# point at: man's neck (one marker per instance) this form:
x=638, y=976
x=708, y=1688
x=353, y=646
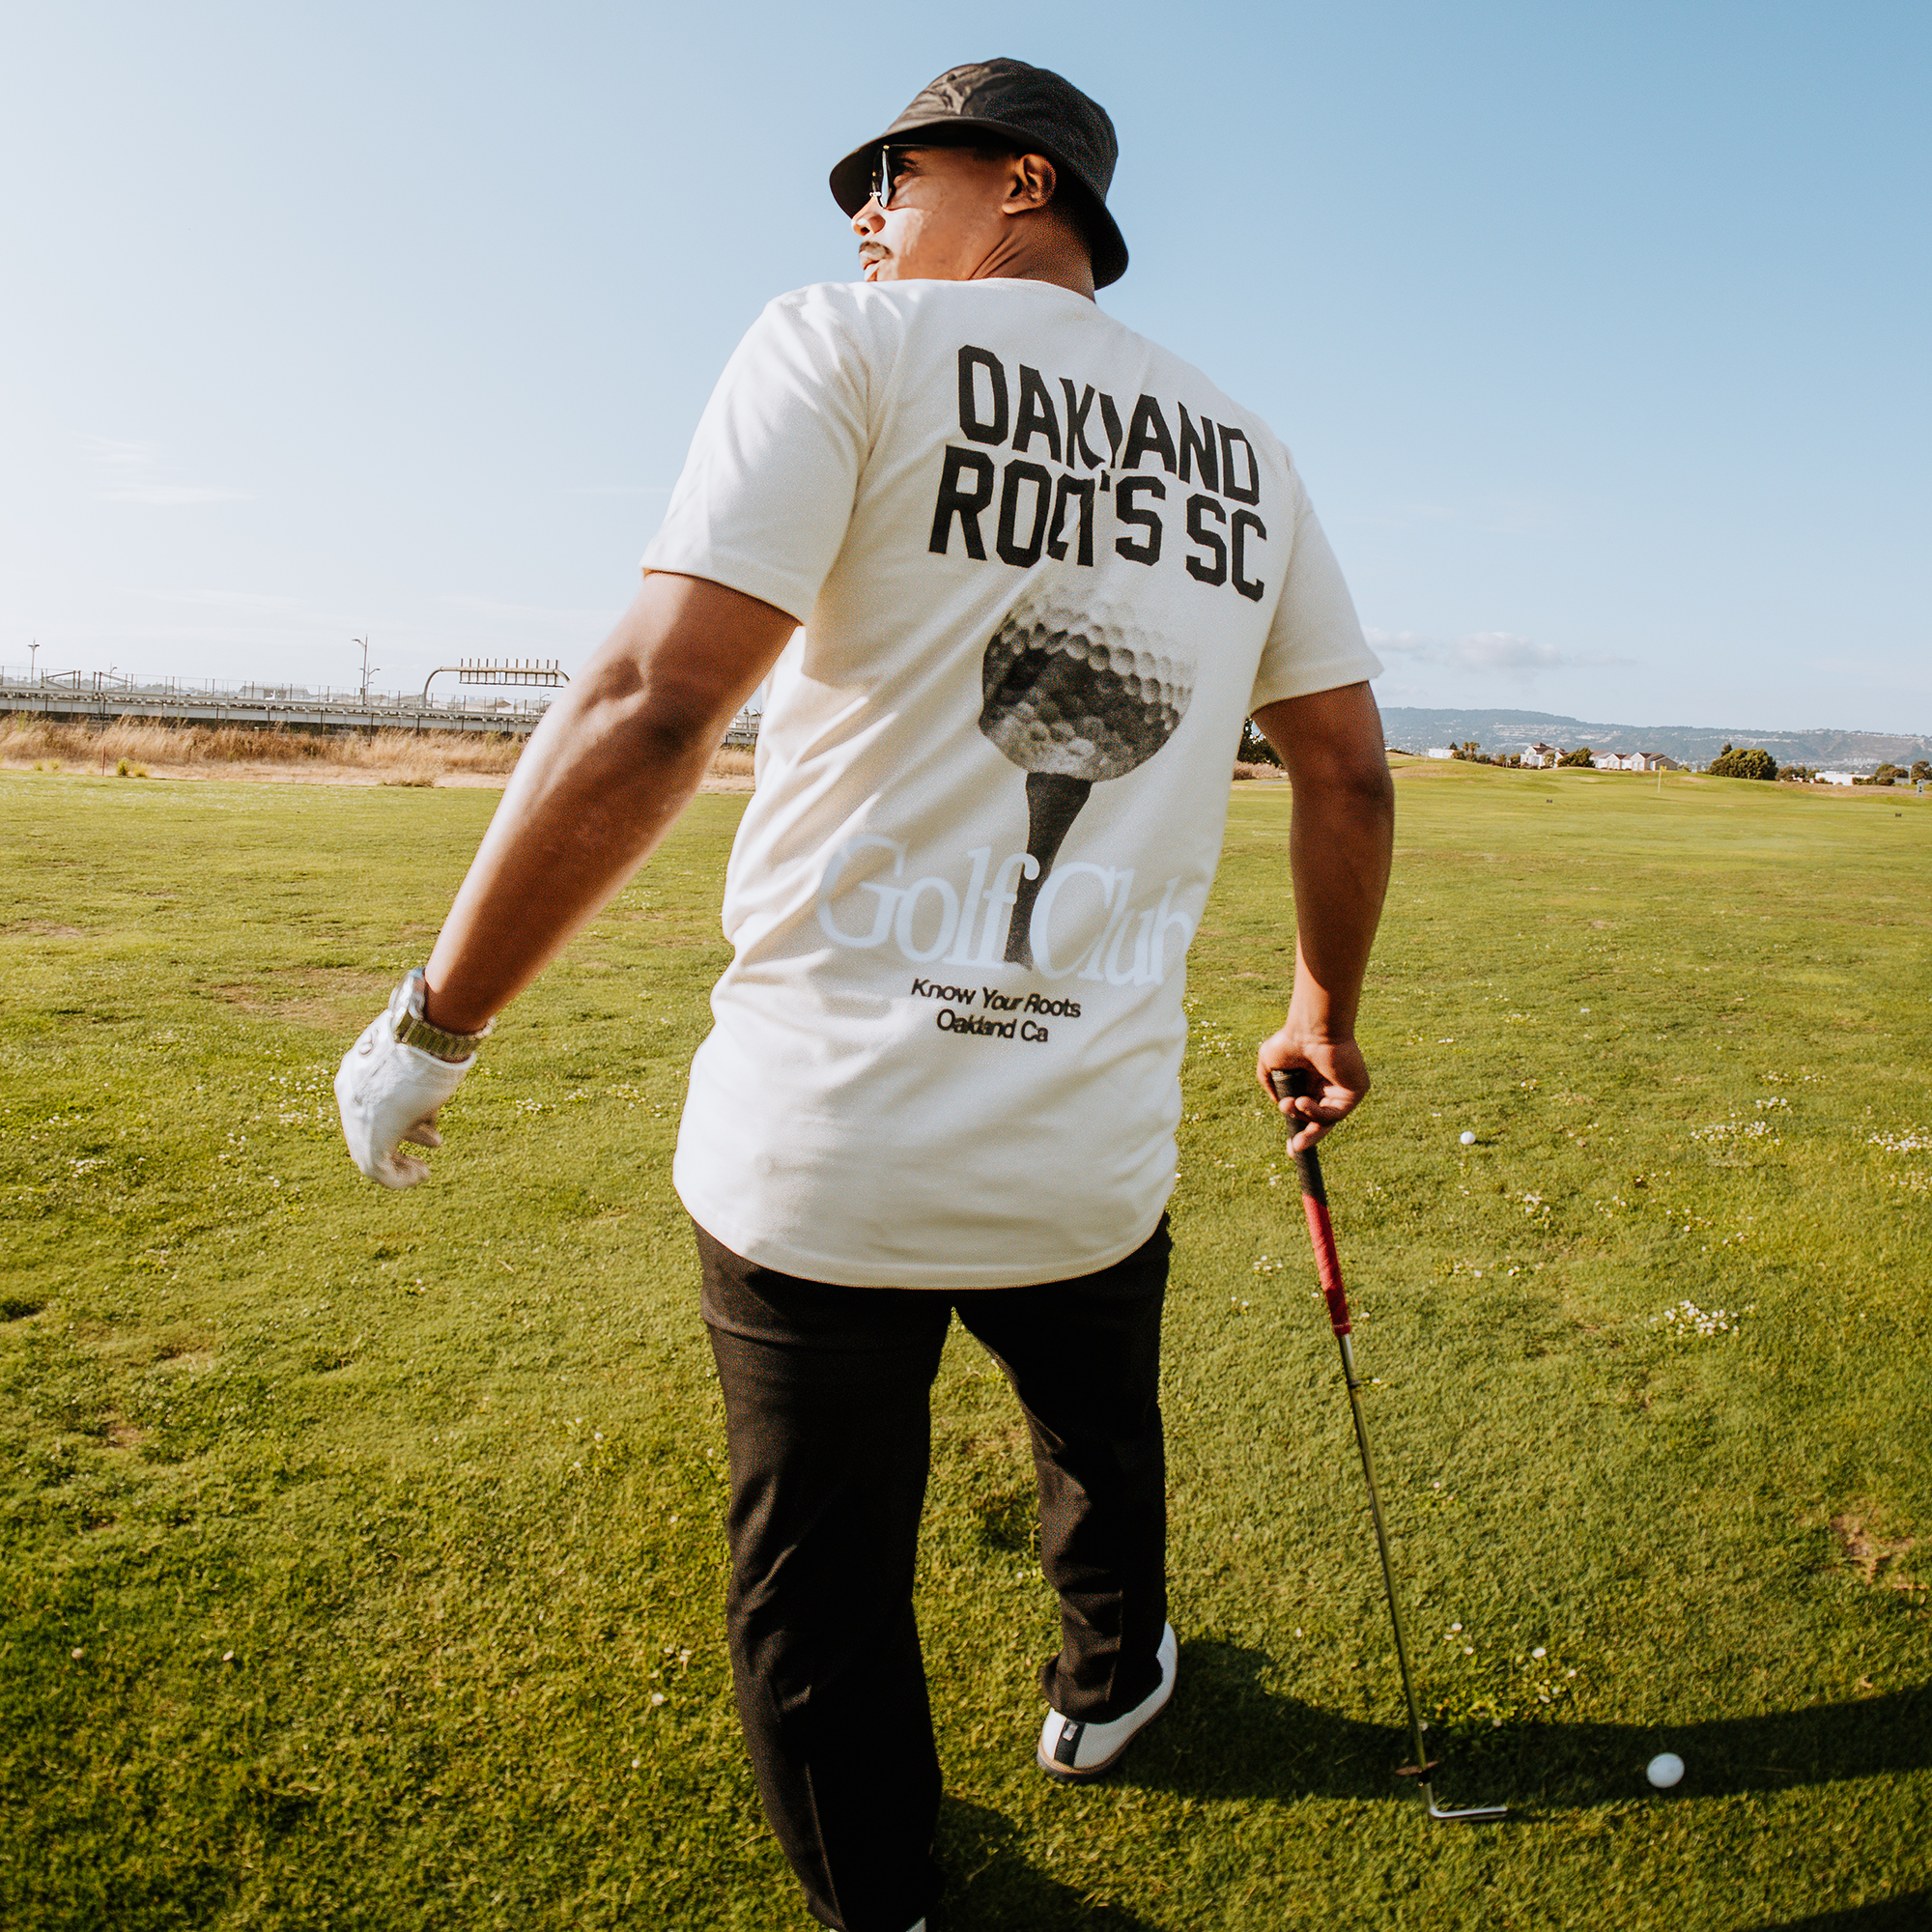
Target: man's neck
x=1051, y=257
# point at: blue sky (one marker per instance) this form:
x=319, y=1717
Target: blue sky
x=1598, y=332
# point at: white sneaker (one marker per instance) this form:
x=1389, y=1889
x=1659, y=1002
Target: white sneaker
x=1070, y=1750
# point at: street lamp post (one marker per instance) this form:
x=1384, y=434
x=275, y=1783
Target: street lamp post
x=368, y=673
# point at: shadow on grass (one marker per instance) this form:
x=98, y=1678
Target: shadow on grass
x=990, y=1883
x=1910, y=1914
x=1228, y=1737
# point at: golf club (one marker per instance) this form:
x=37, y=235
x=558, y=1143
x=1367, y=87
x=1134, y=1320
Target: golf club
x=1328, y=1267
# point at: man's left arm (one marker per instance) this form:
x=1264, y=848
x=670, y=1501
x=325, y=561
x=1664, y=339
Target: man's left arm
x=1340, y=844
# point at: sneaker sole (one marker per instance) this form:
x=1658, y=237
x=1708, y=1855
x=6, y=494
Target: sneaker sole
x=1069, y=1776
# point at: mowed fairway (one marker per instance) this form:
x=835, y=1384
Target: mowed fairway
x=364, y=1560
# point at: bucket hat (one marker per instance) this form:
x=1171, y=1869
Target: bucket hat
x=1039, y=112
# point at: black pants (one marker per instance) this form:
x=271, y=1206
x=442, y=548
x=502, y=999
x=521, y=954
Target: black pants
x=826, y=1408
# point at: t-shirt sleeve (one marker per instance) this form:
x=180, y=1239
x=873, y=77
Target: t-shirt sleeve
x=1316, y=642
x=768, y=487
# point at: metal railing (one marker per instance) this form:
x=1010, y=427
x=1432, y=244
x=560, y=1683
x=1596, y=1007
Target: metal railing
x=103, y=697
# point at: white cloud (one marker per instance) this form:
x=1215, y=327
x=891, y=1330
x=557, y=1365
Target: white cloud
x=133, y=473
x=1484, y=653
x=1399, y=643
x=1504, y=650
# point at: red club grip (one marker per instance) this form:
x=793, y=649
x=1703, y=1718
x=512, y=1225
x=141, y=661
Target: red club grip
x=1327, y=1265
x=1314, y=1204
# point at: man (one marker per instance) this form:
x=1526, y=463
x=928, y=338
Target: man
x=1046, y=570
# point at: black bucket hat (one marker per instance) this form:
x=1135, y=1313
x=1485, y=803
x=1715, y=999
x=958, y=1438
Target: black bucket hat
x=1009, y=100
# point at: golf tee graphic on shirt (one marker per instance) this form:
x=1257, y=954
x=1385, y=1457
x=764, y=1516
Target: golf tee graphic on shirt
x=1074, y=693
x=1073, y=697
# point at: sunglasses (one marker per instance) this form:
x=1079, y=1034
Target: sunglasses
x=883, y=170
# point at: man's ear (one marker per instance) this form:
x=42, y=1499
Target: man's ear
x=1031, y=184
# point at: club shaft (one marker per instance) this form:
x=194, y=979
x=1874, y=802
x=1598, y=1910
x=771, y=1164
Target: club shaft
x=1383, y=1550
x=1328, y=1268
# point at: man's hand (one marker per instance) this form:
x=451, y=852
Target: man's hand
x=1340, y=843
x=388, y=1092
x=1334, y=1076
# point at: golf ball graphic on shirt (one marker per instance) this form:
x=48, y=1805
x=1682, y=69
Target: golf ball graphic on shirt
x=1074, y=695
x=1078, y=696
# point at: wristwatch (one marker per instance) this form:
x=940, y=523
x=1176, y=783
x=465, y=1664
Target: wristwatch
x=414, y=1030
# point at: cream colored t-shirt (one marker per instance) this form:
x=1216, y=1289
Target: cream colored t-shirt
x=1046, y=569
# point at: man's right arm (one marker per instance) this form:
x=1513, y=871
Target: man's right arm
x=1340, y=845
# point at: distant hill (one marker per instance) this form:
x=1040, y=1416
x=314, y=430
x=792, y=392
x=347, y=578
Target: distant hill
x=1414, y=729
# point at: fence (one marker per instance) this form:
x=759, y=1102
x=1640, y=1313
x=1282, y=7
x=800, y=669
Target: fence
x=102, y=697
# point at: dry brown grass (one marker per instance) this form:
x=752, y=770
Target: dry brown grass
x=135, y=747
x=380, y=757
x=25, y=740
x=1872, y=1555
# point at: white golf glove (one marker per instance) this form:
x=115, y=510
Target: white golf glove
x=389, y=1092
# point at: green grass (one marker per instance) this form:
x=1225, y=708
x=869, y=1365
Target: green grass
x=351, y=1538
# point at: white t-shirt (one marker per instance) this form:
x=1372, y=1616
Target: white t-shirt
x=1045, y=570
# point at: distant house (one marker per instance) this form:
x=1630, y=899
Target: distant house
x=1536, y=757
x=1618, y=761
x=1439, y=752
x=1833, y=778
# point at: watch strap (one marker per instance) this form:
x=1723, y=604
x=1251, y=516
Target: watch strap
x=414, y=1030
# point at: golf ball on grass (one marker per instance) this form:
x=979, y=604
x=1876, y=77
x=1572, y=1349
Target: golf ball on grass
x=1665, y=1770
x=1468, y=1139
